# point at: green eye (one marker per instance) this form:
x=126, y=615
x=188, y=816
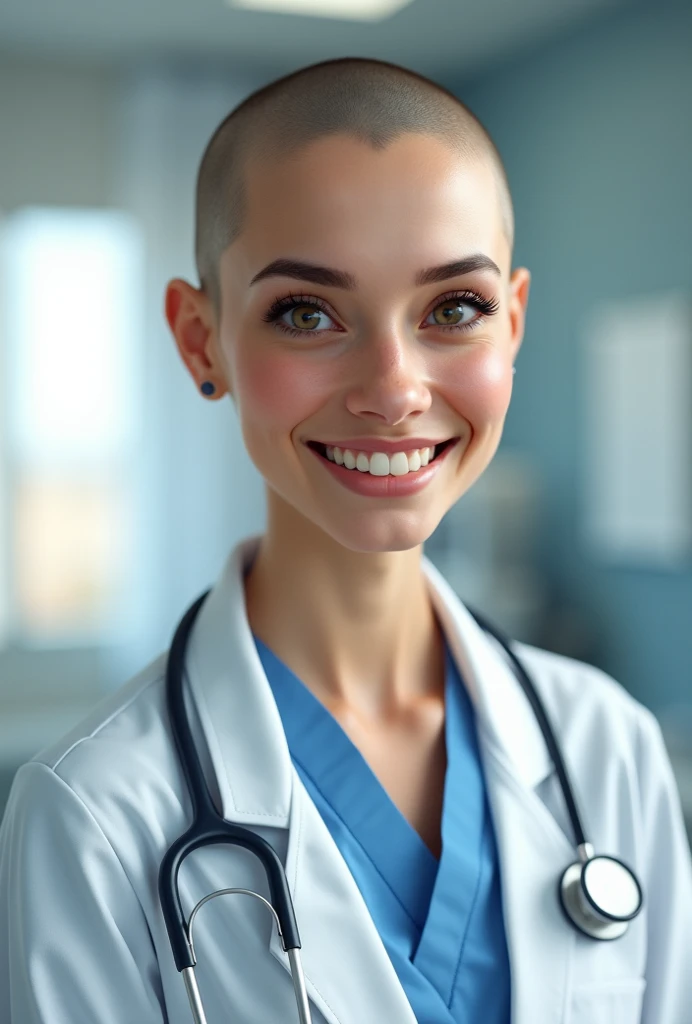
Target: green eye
x=450, y=313
x=305, y=317
x=299, y=314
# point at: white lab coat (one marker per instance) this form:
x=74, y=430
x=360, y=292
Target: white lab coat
x=82, y=938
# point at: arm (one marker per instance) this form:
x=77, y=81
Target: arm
x=74, y=943
x=668, y=885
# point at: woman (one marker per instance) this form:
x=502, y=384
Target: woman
x=357, y=303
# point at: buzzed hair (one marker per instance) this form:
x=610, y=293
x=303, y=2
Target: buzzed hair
x=371, y=100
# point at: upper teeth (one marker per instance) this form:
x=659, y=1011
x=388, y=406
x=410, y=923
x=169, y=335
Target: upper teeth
x=380, y=464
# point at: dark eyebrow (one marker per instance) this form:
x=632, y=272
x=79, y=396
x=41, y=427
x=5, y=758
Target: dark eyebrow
x=466, y=265
x=340, y=279
x=307, y=272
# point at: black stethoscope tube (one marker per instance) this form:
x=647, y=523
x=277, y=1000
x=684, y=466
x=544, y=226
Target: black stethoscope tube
x=208, y=827
x=545, y=726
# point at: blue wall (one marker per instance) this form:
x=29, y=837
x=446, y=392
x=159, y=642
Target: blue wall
x=596, y=135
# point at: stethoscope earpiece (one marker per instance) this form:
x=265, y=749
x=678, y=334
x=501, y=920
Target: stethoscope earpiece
x=600, y=896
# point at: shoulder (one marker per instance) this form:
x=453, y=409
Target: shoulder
x=581, y=698
x=80, y=844
x=611, y=741
x=128, y=719
x=119, y=762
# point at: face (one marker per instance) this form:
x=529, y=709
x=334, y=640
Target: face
x=388, y=359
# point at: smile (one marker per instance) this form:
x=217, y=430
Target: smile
x=381, y=464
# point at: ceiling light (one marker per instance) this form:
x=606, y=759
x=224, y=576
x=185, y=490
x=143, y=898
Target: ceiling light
x=356, y=10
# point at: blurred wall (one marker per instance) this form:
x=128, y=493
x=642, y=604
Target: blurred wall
x=129, y=139
x=56, y=127
x=57, y=147
x=595, y=134
x=199, y=491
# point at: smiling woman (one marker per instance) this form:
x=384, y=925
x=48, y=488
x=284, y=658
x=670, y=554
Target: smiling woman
x=376, y=745
x=378, y=349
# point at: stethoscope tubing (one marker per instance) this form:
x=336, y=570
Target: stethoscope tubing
x=208, y=827
x=541, y=714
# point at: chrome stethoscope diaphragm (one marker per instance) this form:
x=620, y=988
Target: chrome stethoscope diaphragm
x=600, y=895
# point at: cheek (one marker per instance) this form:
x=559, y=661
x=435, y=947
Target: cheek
x=479, y=386
x=276, y=391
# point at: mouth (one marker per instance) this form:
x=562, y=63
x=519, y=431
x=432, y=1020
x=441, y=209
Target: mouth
x=321, y=449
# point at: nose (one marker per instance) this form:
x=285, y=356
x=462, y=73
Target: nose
x=390, y=378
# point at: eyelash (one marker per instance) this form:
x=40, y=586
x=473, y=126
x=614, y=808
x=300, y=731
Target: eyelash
x=281, y=305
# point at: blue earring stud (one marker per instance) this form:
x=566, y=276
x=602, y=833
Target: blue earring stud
x=208, y=388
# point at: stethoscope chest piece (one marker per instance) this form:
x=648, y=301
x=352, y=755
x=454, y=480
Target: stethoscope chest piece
x=600, y=896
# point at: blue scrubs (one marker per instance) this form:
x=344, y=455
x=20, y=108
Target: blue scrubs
x=440, y=921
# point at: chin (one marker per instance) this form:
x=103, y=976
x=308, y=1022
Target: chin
x=373, y=531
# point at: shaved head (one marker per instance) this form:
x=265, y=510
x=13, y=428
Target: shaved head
x=370, y=100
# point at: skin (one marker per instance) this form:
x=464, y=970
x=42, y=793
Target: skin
x=337, y=590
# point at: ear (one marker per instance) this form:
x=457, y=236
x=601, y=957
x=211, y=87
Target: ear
x=191, y=319
x=519, y=285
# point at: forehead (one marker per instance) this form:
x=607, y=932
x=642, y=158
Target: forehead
x=414, y=203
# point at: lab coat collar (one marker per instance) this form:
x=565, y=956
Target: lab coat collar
x=242, y=725
x=503, y=713
x=235, y=704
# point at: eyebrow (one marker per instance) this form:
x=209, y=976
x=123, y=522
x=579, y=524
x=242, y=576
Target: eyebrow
x=331, y=278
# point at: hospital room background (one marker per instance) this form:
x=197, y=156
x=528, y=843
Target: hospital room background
x=122, y=490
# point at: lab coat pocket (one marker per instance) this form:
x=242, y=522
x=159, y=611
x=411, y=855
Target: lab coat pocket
x=611, y=1002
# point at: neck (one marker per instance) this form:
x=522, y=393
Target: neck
x=358, y=628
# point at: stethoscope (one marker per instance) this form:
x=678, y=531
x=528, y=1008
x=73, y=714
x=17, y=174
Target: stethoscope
x=598, y=894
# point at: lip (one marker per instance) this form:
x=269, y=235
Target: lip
x=386, y=487
x=379, y=444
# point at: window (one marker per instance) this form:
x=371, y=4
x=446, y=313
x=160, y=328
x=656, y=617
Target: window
x=71, y=283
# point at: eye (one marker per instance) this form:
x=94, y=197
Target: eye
x=461, y=311
x=304, y=317
x=298, y=314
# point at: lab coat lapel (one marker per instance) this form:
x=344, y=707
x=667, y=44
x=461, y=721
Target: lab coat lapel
x=532, y=858
x=348, y=974
x=348, y=971
x=533, y=850
x=236, y=708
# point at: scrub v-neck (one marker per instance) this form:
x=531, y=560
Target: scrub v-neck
x=440, y=921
